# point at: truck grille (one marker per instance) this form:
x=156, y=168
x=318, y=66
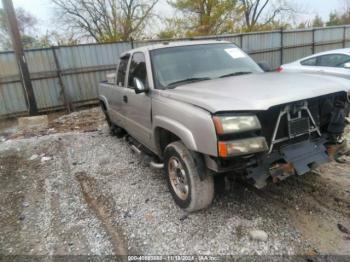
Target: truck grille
x=319, y=107
x=298, y=126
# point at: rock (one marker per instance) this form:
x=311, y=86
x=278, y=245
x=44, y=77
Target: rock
x=127, y=215
x=45, y=158
x=343, y=229
x=25, y=204
x=258, y=235
x=183, y=217
x=33, y=157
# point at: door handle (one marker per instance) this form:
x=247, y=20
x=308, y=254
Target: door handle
x=125, y=99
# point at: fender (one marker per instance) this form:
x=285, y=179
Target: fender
x=176, y=128
x=104, y=100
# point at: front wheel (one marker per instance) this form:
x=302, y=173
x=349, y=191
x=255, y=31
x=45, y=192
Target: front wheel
x=182, y=168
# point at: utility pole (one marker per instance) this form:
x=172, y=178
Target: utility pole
x=21, y=60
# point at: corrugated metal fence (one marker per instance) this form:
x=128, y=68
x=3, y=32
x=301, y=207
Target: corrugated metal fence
x=69, y=75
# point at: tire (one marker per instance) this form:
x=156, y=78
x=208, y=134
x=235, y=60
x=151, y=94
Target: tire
x=182, y=168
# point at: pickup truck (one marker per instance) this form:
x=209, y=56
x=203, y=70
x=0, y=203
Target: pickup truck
x=204, y=108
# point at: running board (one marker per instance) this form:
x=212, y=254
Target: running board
x=135, y=149
x=138, y=151
x=156, y=165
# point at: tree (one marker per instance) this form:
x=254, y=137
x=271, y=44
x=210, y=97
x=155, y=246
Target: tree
x=317, y=22
x=106, y=20
x=261, y=14
x=203, y=17
x=173, y=28
x=27, y=26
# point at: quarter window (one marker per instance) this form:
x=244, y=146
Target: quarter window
x=122, y=71
x=137, y=69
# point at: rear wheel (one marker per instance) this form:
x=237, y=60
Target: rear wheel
x=182, y=168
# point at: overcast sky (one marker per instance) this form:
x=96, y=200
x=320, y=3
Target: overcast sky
x=44, y=9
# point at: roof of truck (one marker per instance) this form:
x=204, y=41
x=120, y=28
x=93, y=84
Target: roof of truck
x=167, y=44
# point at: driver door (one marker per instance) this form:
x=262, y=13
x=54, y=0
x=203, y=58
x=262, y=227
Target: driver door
x=137, y=107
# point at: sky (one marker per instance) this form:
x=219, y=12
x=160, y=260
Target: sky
x=44, y=10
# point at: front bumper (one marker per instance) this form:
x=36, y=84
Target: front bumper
x=295, y=159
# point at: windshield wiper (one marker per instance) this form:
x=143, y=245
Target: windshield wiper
x=236, y=74
x=188, y=80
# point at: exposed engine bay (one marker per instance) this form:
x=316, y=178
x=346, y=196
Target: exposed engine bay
x=301, y=136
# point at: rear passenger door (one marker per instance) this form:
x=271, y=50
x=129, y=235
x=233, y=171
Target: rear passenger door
x=116, y=99
x=137, y=107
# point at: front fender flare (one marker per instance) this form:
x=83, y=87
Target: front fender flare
x=177, y=129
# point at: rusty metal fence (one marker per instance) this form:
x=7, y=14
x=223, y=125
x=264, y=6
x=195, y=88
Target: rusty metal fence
x=68, y=76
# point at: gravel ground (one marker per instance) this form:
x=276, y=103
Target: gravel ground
x=86, y=193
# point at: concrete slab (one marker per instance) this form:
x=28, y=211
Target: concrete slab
x=33, y=122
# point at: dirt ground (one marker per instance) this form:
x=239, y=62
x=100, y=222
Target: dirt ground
x=73, y=189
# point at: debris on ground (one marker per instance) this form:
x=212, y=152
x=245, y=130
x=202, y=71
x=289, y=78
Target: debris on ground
x=87, y=120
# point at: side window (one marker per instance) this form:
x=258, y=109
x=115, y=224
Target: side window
x=137, y=69
x=309, y=62
x=122, y=71
x=333, y=60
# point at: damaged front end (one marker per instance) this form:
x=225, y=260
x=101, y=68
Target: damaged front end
x=300, y=137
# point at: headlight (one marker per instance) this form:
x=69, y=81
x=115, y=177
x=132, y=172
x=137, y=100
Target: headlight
x=242, y=147
x=235, y=124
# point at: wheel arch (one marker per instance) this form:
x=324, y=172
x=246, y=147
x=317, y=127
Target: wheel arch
x=168, y=130
x=103, y=102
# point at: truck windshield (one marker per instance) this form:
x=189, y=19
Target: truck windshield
x=175, y=66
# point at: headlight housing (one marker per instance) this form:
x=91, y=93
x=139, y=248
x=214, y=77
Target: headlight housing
x=242, y=147
x=236, y=124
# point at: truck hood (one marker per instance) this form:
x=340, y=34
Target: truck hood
x=255, y=92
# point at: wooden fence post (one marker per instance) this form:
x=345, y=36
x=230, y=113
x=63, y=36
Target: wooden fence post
x=66, y=99
x=20, y=56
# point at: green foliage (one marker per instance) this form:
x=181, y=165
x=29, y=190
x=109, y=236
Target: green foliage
x=338, y=18
x=202, y=17
x=317, y=22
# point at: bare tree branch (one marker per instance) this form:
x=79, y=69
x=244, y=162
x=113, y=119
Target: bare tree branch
x=107, y=20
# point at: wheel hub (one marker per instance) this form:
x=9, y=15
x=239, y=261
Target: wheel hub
x=178, y=178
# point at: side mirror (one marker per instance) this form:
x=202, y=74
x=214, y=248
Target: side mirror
x=265, y=66
x=347, y=65
x=139, y=86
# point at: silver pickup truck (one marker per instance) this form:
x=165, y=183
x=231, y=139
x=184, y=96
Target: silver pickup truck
x=204, y=108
